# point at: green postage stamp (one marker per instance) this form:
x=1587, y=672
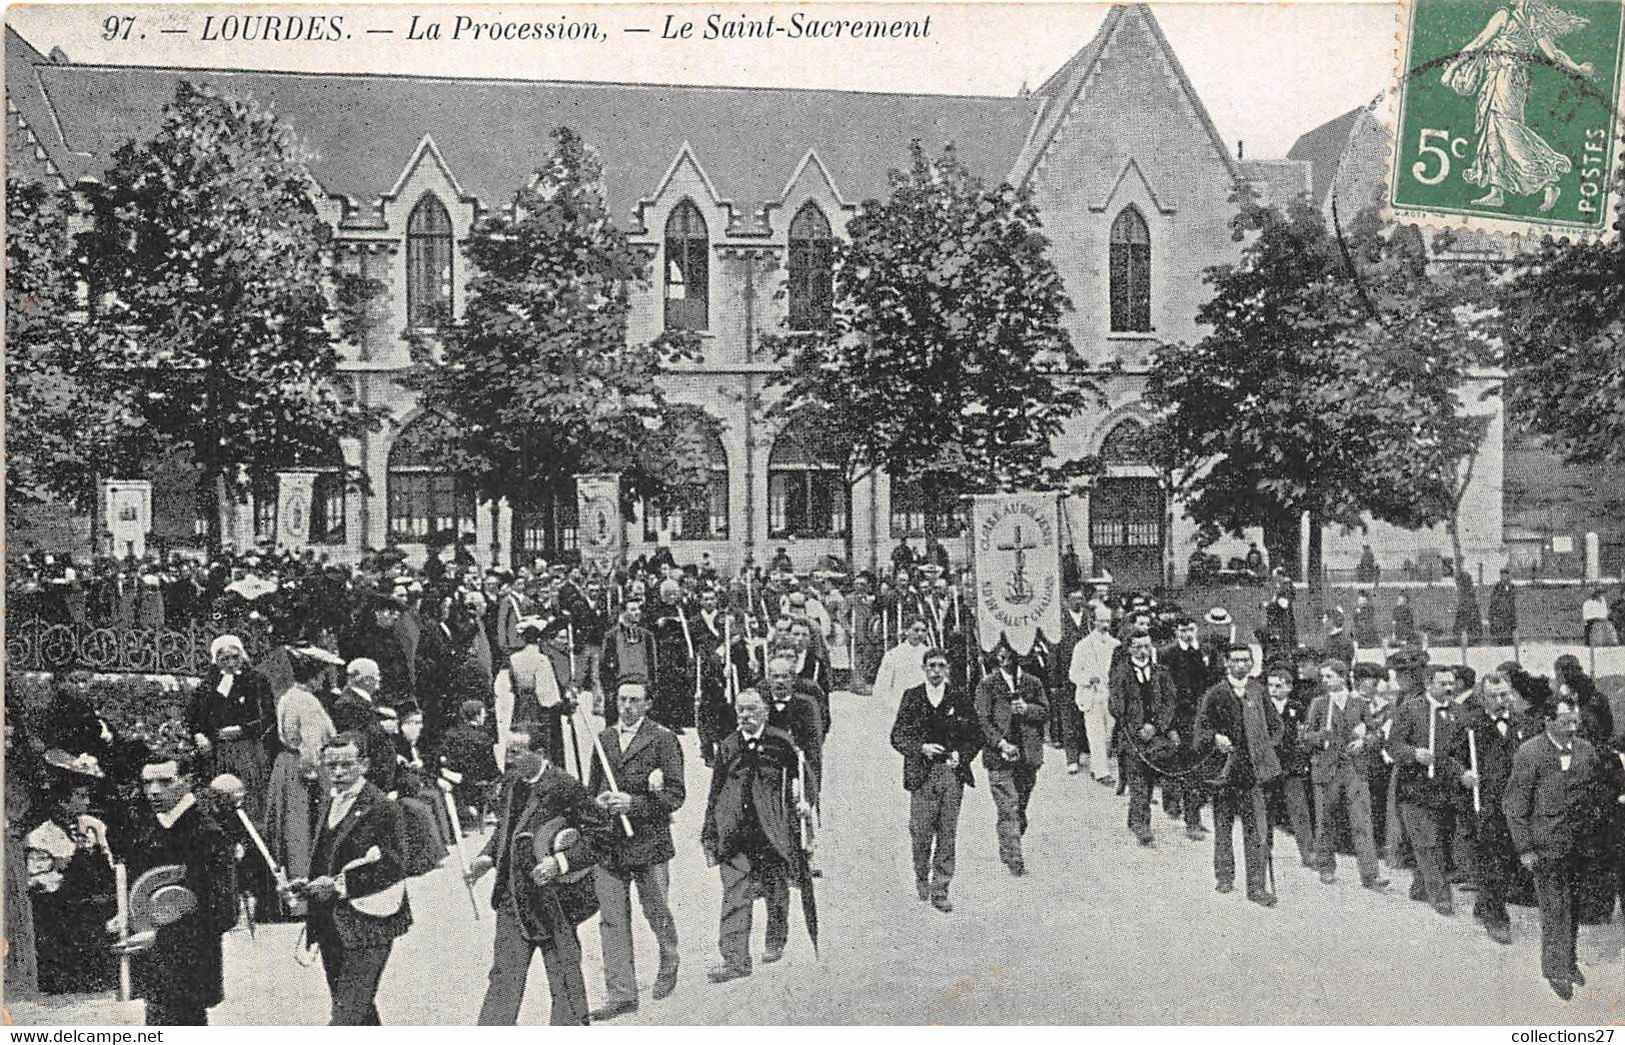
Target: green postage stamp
x=1508, y=115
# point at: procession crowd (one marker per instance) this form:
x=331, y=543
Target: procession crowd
x=399, y=709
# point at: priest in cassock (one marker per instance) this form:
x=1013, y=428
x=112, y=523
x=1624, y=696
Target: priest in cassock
x=676, y=676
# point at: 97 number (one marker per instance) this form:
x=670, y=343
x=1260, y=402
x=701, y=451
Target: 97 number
x=117, y=27
x=1437, y=143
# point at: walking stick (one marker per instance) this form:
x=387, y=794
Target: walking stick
x=609, y=775
x=121, y=887
x=1472, y=756
x=457, y=843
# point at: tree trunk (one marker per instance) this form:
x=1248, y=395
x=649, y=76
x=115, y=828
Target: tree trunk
x=1282, y=538
x=215, y=484
x=1316, y=567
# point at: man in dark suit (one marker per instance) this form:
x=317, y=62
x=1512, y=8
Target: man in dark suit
x=1497, y=729
x=629, y=654
x=1336, y=733
x=646, y=767
x=723, y=671
x=1429, y=784
x=357, y=895
x=1286, y=800
x=1235, y=719
x=1555, y=776
x=811, y=666
x=792, y=705
x=1076, y=622
x=1141, y=701
x=179, y=969
x=1011, y=712
x=937, y=734
x=751, y=832
x=1191, y=668
x=532, y=897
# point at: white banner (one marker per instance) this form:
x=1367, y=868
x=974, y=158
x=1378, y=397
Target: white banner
x=1018, y=568
x=127, y=504
x=600, y=529
x=294, y=492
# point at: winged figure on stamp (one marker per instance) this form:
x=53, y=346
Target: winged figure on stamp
x=1511, y=156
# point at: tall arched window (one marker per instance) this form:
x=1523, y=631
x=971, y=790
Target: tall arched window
x=811, y=271
x=424, y=500
x=1131, y=272
x=806, y=486
x=428, y=263
x=688, y=273
x=701, y=513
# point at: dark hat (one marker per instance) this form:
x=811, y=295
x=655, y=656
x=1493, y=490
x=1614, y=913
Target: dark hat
x=1408, y=658
x=378, y=601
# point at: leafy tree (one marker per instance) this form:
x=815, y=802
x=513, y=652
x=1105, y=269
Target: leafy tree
x=66, y=425
x=537, y=381
x=944, y=358
x=208, y=256
x=1329, y=386
x=1564, y=324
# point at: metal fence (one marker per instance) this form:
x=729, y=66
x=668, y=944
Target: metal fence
x=38, y=645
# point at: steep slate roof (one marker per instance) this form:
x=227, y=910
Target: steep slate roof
x=1323, y=148
x=363, y=129
x=1277, y=181
x=1070, y=80
x=39, y=143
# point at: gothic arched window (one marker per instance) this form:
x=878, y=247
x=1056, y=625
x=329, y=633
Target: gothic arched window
x=428, y=263
x=688, y=272
x=811, y=269
x=1131, y=272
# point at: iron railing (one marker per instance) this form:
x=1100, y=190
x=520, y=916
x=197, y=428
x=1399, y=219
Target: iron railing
x=38, y=645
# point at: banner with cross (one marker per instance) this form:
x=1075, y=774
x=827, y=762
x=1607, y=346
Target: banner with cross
x=1018, y=568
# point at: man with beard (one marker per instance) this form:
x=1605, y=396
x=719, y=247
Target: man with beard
x=1141, y=696
x=751, y=832
x=1497, y=729
x=792, y=706
x=179, y=969
x=1554, y=776
x=676, y=678
x=724, y=671
x=1011, y=712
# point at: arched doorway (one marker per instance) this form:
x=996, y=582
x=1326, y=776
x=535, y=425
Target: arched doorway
x=1128, y=510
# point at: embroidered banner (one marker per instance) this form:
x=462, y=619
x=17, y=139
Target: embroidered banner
x=1018, y=568
x=602, y=530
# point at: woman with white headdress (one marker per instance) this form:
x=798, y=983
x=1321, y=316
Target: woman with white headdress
x=231, y=719
x=1511, y=156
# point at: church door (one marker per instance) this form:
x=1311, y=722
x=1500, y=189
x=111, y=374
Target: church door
x=1126, y=530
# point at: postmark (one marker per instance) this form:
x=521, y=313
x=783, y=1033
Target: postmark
x=1506, y=115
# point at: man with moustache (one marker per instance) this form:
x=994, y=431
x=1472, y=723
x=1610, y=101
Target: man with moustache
x=751, y=832
x=1089, y=672
x=1011, y=712
x=1554, y=777
x=1236, y=719
x=629, y=653
x=1430, y=782
x=1142, y=703
x=937, y=734
x=1497, y=729
x=537, y=903
x=645, y=763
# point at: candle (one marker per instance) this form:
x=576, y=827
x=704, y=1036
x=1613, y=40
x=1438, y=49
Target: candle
x=1433, y=720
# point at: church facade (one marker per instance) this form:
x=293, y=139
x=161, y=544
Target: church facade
x=734, y=195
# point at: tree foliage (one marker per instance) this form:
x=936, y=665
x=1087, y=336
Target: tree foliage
x=944, y=356
x=1564, y=324
x=65, y=427
x=537, y=380
x=213, y=287
x=1330, y=384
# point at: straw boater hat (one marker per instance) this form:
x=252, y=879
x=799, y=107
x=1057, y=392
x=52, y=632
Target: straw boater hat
x=1219, y=617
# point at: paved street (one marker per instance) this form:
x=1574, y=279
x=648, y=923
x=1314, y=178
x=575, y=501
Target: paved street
x=1101, y=931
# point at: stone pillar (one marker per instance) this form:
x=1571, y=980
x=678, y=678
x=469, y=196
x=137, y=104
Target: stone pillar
x=1593, y=561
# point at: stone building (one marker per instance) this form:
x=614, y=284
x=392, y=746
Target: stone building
x=735, y=195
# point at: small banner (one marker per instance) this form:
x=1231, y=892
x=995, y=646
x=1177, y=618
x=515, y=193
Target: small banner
x=601, y=531
x=294, y=494
x=128, y=519
x=1018, y=568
